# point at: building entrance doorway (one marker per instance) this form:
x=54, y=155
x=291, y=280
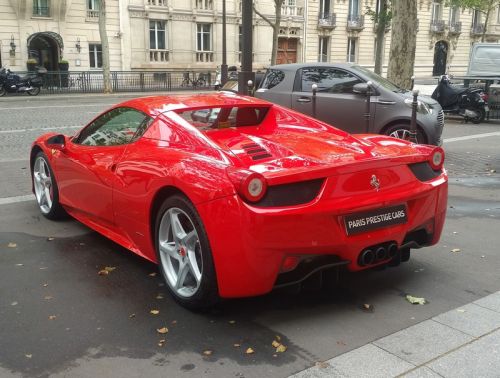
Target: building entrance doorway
x=287, y=50
x=440, y=56
x=46, y=48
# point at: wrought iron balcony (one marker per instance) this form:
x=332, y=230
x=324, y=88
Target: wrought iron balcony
x=355, y=22
x=437, y=26
x=477, y=29
x=455, y=28
x=92, y=13
x=327, y=20
x=41, y=11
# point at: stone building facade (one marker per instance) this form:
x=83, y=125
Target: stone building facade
x=182, y=35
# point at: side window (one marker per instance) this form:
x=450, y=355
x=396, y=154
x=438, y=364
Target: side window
x=118, y=126
x=272, y=78
x=329, y=80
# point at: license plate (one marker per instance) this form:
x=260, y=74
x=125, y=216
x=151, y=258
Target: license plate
x=375, y=219
x=486, y=108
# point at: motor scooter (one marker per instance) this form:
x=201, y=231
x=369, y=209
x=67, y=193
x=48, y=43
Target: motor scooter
x=470, y=103
x=12, y=83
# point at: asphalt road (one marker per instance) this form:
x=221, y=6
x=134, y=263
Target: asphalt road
x=60, y=318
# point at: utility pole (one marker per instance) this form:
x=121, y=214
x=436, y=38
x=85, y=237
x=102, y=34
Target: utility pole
x=223, y=66
x=246, y=73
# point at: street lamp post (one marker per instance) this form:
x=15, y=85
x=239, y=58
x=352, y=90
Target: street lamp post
x=223, y=66
x=246, y=73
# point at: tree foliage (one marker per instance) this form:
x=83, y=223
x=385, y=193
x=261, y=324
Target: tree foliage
x=274, y=25
x=486, y=7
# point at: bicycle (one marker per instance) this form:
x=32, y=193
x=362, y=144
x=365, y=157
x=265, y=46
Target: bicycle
x=187, y=81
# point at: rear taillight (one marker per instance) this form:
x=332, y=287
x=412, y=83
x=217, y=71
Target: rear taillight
x=251, y=186
x=437, y=158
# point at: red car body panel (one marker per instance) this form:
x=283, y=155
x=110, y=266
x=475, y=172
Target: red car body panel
x=113, y=189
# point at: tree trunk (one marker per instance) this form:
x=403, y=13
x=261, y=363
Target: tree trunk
x=380, y=34
x=275, y=26
x=105, y=48
x=403, y=42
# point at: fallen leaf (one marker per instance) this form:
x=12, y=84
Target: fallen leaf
x=161, y=342
x=52, y=317
x=454, y=232
x=232, y=321
x=152, y=274
x=236, y=345
x=281, y=348
x=19, y=264
x=103, y=272
x=28, y=355
x=154, y=312
x=367, y=307
x=415, y=300
x=12, y=245
x=249, y=351
x=50, y=238
x=131, y=316
x=493, y=171
x=48, y=297
x=45, y=284
x=455, y=250
x=322, y=365
x=13, y=304
x=275, y=344
x=340, y=342
x=275, y=355
x=174, y=321
x=109, y=268
x=162, y=330
x=277, y=337
x=43, y=268
x=483, y=256
x=460, y=310
x=159, y=296
x=207, y=352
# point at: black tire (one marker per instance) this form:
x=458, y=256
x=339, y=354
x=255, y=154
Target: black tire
x=33, y=92
x=55, y=210
x=2, y=91
x=402, y=131
x=205, y=295
x=481, y=116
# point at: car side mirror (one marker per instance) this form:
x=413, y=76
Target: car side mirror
x=360, y=88
x=56, y=142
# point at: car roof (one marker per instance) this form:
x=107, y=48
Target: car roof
x=296, y=66
x=154, y=105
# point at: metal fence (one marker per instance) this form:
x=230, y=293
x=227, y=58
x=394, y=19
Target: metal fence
x=125, y=81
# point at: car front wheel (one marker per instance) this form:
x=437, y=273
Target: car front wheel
x=402, y=131
x=46, y=190
x=184, y=254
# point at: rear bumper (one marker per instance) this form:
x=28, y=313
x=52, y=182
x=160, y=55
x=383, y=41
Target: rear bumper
x=249, y=244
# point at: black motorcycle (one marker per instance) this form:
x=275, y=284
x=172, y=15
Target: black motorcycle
x=467, y=102
x=12, y=83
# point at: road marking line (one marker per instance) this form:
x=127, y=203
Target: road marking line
x=468, y=137
x=38, y=128
x=9, y=200
x=57, y=106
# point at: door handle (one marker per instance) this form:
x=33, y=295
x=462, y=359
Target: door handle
x=304, y=99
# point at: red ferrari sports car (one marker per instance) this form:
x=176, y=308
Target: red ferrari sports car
x=233, y=196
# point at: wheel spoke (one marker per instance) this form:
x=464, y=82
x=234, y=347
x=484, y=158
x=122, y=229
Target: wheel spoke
x=48, y=197
x=43, y=198
x=190, y=240
x=184, y=269
x=193, y=265
x=177, y=229
x=169, y=249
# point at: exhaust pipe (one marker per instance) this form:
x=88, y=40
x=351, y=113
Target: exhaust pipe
x=380, y=254
x=392, y=250
x=367, y=257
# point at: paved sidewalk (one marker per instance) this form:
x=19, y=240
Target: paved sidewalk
x=464, y=342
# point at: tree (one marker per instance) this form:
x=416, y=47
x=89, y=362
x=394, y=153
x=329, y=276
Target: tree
x=403, y=42
x=382, y=18
x=105, y=48
x=486, y=7
x=274, y=25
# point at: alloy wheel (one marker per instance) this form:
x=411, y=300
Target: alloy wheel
x=43, y=185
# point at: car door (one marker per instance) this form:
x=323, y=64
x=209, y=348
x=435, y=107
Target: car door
x=336, y=103
x=86, y=169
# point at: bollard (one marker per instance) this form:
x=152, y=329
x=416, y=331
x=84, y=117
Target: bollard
x=314, y=88
x=250, y=87
x=413, y=124
x=368, y=104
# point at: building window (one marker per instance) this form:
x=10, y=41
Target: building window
x=203, y=37
x=93, y=8
x=41, y=8
x=353, y=8
x=454, y=15
x=157, y=35
x=323, y=49
x=436, y=11
x=95, y=55
x=205, y=4
x=324, y=8
x=351, y=50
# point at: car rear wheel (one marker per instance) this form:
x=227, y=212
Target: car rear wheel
x=46, y=190
x=402, y=131
x=480, y=115
x=35, y=91
x=184, y=254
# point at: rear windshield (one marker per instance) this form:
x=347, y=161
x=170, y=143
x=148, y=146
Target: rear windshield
x=222, y=118
x=273, y=78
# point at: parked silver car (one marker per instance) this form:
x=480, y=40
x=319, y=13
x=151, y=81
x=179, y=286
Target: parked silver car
x=339, y=104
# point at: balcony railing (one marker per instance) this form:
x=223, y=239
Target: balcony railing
x=455, y=28
x=327, y=20
x=355, y=22
x=158, y=56
x=204, y=56
x=92, y=13
x=477, y=29
x=41, y=11
x=437, y=26
x=291, y=10
x=158, y=3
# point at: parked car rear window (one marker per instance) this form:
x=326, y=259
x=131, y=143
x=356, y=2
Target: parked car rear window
x=273, y=78
x=329, y=80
